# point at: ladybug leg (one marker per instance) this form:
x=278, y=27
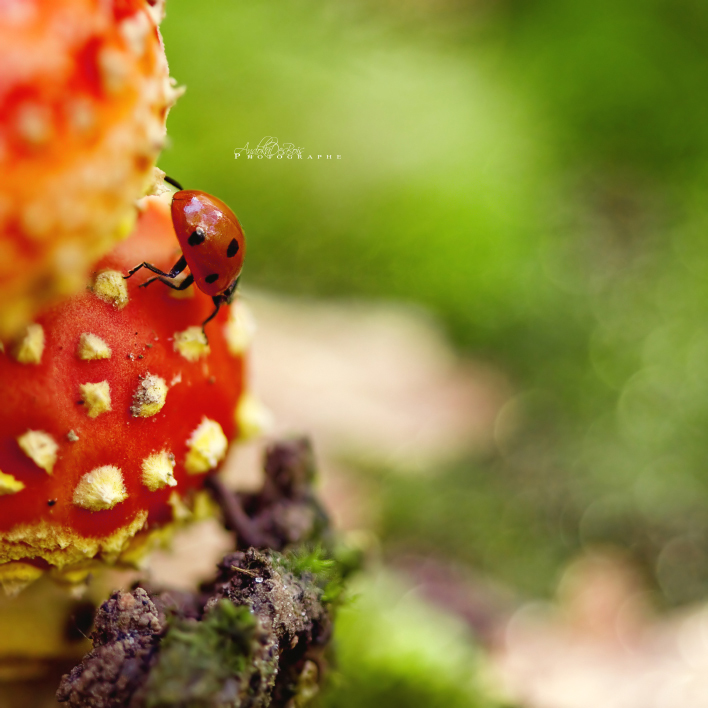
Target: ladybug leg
x=229, y=294
x=177, y=268
x=182, y=286
x=218, y=301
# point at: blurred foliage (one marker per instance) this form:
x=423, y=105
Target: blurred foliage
x=466, y=513
x=394, y=650
x=535, y=173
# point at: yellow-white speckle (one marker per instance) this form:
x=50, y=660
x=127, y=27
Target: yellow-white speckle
x=40, y=447
x=156, y=11
x=252, y=417
x=34, y=123
x=77, y=575
x=61, y=545
x=70, y=261
x=203, y=505
x=149, y=396
x=158, y=471
x=135, y=30
x=81, y=114
x=207, y=447
x=180, y=511
x=114, y=69
x=91, y=347
x=9, y=485
x=192, y=343
x=110, y=286
x=16, y=576
x=159, y=189
x=100, y=489
x=30, y=348
x=96, y=398
x=239, y=328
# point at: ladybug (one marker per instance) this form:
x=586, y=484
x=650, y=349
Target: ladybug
x=213, y=247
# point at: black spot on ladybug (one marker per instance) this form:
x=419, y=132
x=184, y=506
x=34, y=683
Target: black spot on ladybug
x=51, y=502
x=212, y=278
x=197, y=237
x=232, y=250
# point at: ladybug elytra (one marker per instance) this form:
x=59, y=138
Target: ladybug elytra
x=213, y=247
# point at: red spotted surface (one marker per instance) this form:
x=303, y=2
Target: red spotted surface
x=46, y=396
x=84, y=95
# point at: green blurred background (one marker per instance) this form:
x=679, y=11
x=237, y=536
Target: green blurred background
x=534, y=173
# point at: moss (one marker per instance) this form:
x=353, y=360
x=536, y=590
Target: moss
x=312, y=565
x=254, y=637
x=207, y=663
x=397, y=651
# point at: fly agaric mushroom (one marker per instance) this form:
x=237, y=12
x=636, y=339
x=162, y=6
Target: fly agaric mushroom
x=115, y=408
x=84, y=96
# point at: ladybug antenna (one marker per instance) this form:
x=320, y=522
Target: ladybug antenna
x=173, y=182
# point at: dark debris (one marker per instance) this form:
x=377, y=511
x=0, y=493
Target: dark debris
x=254, y=636
x=285, y=512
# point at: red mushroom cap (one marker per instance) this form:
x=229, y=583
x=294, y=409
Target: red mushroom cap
x=115, y=407
x=84, y=94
